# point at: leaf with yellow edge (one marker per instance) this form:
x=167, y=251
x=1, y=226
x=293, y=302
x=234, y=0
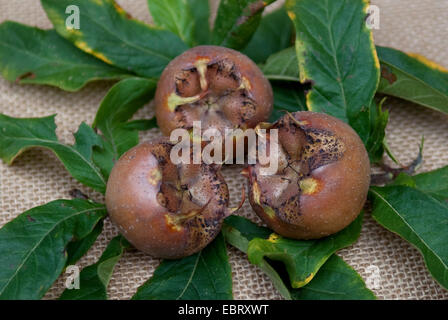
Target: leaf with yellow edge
x=414, y=78
x=302, y=258
x=108, y=33
x=336, y=54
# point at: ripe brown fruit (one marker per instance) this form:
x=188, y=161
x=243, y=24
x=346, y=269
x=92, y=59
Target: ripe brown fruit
x=166, y=210
x=322, y=179
x=218, y=86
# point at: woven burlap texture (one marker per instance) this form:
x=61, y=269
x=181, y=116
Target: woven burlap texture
x=37, y=177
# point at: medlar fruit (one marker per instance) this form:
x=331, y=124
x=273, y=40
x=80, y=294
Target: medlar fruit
x=218, y=86
x=322, y=179
x=166, y=210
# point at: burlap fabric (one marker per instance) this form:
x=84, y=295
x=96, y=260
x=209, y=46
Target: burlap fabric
x=38, y=177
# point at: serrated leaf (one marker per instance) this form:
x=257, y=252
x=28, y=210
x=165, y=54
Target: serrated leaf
x=19, y=134
x=336, y=280
x=236, y=22
x=272, y=35
x=302, y=258
x=36, y=56
x=288, y=97
x=35, y=242
x=202, y=276
x=335, y=51
x=420, y=219
x=282, y=65
x=174, y=15
x=119, y=105
x=94, y=279
x=78, y=248
x=110, y=34
x=414, y=78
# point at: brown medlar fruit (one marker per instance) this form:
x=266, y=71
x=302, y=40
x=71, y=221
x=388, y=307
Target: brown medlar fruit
x=322, y=179
x=166, y=210
x=218, y=86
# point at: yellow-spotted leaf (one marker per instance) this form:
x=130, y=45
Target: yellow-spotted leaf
x=336, y=54
x=107, y=32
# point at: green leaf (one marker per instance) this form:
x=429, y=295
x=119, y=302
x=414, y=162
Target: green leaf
x=77, y=249
x=19, y=134
x=236, y=22
x=282, y=65
x=288, y=96
x=119, y=105
x=418, y=218
x=302, y=258
x=273, y=34
x=434, y=183
x=377, y=136
x=94, y=279
x=336, y=280
x=238, y=232
x=201, y=14
x=32, y=55
x=414, y=78
x=108, y=33
x=336, y=53
x=35, y=242
x=173, y=15
x=202, y=276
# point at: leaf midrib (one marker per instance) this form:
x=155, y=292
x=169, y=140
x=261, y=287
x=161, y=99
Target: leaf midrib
x=42, y=239
x=71, y=148
x=190, y=279
x=47, y=59
x=410, y=227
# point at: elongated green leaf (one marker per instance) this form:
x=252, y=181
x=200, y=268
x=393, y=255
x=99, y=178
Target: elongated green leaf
x=94, y=279
x=336, y=280
x=174, y=15
x=414, y=78
x=200, y=11
x=32, y=55
x=32, y=246
x=287, y=97
x=418, y=218
x=273, y=34
x=336, y=53
x=19, y=134
x=108, y=33
x=435, y=182
x=236, y=22
x=203, y=276
x=378, y=123
x=282, y=65
x=119, y=105
x=78, y=248
x=238, y=232
x=302, y=259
